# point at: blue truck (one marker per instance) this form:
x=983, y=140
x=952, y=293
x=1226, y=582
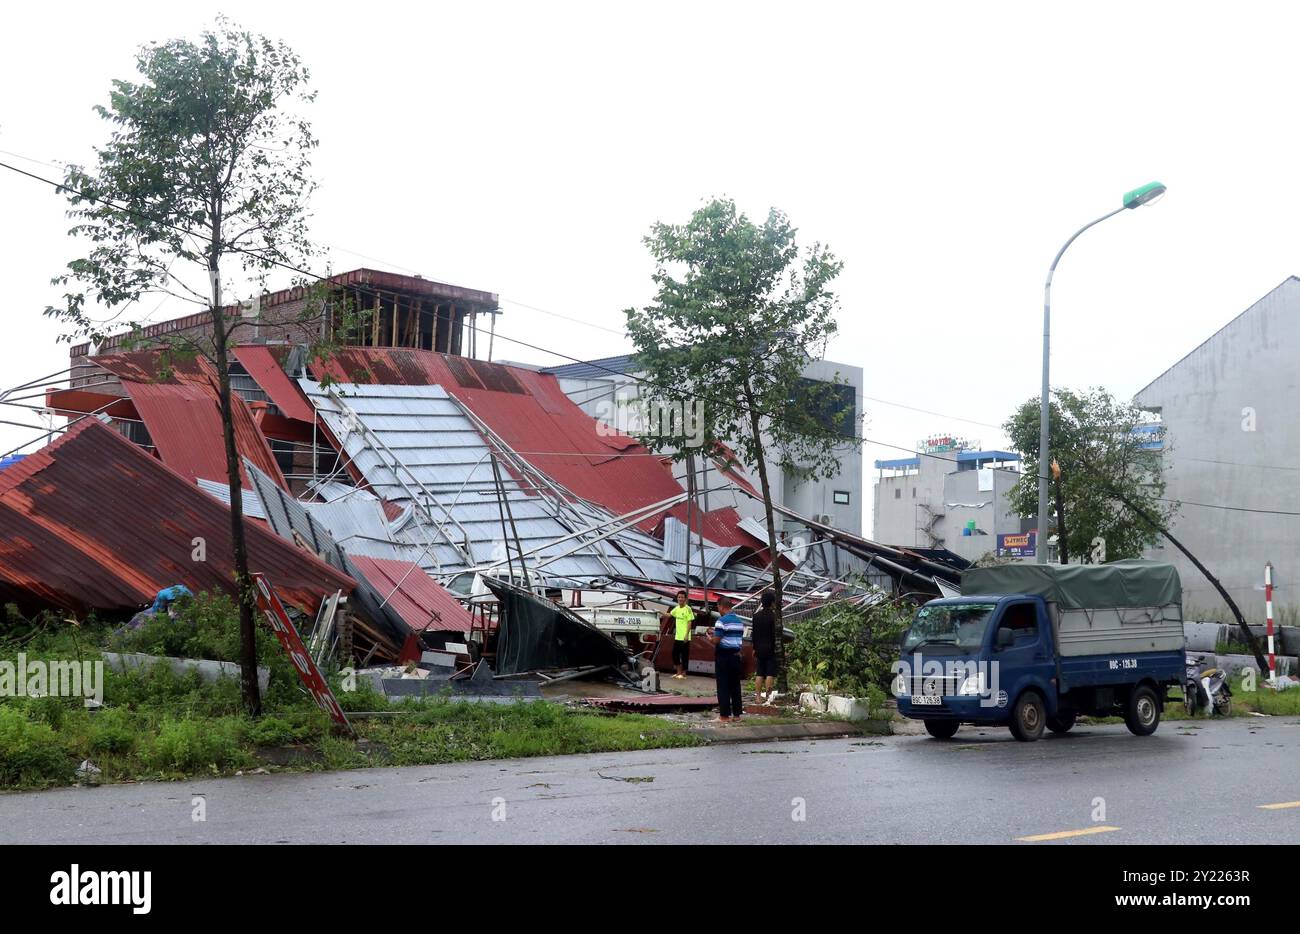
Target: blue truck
x=1034, y=646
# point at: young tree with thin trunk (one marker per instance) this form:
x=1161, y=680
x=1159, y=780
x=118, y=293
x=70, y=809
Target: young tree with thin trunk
x=739, y=312
x=204, y=177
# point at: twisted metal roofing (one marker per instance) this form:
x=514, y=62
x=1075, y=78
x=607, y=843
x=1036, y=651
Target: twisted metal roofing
x=94, y=522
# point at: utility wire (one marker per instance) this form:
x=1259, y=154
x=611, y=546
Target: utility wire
x=281, y=263
x=306, y=272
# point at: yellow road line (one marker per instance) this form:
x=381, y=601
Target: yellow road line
x=1278, y=807
x=1064, y=834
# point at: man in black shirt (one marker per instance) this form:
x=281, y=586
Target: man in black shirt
x=763, y=636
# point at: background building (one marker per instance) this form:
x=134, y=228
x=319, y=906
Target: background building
x=949, y=497
x=609, y=390
x=1232, y=452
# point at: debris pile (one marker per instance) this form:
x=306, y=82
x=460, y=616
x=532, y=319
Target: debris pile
x=442, y=524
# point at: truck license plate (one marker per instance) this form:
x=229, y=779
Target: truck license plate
x=931, y=700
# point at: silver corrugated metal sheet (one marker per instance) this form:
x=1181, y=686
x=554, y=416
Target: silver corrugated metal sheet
x=407, y=441
x=535, y=524
x=415, y=447
x=753, y=527
x=291, y=520
x=219, y=489
x=677, y=541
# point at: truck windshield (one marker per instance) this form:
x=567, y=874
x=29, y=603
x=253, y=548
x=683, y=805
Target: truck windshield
x=960, y=625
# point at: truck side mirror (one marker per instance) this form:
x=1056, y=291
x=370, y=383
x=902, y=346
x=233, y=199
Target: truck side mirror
x=1004, y=639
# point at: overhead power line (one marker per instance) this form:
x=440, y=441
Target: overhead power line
x=274, y=261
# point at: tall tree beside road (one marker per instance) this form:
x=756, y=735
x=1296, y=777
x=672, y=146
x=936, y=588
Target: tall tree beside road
x=1101, y=460
x=739, y=311
x=204, y=176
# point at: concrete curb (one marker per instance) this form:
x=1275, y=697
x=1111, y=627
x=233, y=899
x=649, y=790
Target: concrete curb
x=776, y=732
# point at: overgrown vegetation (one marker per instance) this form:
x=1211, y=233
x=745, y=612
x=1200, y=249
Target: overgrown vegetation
x=157, y=724
x=1244, y=703
x=1231, y=647
x=850, y=649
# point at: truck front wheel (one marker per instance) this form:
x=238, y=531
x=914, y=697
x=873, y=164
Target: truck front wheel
x=1028, y=717
x=941, y=729
x=1143, y=714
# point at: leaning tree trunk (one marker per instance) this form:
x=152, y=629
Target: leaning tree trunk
x=778, y=624
x=1232, y=604
x=243, y=582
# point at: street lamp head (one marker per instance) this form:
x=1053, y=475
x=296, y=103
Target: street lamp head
x=1147, y=194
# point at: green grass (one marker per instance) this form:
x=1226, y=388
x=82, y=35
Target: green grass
x=149, y=744
x=1261, y=700
x=1274, y=703
x=158, y=725
x=451, y=731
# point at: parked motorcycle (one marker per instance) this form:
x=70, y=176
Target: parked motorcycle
x=1206, y=689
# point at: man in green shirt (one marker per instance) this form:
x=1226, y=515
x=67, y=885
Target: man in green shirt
x=684, y=617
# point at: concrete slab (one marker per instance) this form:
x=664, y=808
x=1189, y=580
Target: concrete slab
x=208, y=670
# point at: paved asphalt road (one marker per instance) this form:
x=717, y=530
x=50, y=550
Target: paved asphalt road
x=981, y=787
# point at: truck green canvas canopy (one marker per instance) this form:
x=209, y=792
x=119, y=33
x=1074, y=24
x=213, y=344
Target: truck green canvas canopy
x=1082, y=586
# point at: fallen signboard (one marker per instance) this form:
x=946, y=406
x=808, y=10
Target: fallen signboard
x=315, y=682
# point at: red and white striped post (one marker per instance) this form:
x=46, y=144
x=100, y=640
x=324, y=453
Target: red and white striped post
x=1268, y=614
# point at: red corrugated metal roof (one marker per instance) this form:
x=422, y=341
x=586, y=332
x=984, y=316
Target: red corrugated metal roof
x=265, y=364
x=420, y=600
x=69, y=402
x=719, y=526
x=182, y=412
x=532, y=415
x=729, y=465
x=92, y=521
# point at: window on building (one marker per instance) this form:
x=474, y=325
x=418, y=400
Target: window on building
x=327, y=460
x=841, y=497
x=282, y=451
x=833, y=405
x=898, y=493
x=913, y=492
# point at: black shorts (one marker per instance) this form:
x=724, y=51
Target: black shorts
x=764, y=666
x=682, y=653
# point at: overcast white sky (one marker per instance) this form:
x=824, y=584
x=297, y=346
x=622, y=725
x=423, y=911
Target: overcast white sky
x=944, y=150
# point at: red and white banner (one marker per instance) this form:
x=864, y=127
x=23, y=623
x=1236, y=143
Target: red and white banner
x=282, y=626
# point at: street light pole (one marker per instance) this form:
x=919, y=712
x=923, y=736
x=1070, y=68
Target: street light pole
x=1147, y=194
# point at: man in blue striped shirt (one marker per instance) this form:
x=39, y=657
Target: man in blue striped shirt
x=727, y=635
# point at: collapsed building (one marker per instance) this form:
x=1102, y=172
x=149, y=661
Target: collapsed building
x=402, y=475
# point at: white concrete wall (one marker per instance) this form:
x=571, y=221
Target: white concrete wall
x=993, y=516
x=904, y=502
x=1233, y=439
x=597, y=398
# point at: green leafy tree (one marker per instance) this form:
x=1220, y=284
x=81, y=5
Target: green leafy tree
x=851, y=648
x=204, y=176
x=739, y=311
x=1099, y=461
